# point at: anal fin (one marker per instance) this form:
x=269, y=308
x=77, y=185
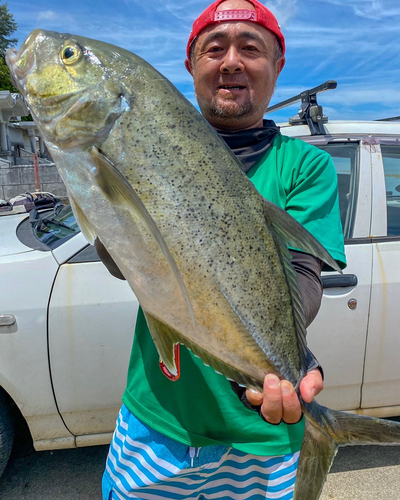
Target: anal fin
x=165, y=338
x=177, y=362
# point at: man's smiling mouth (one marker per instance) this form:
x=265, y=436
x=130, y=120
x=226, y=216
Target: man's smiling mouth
x=232, y=87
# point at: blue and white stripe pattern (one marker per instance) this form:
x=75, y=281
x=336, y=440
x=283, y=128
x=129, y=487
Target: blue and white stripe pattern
x=144, y=464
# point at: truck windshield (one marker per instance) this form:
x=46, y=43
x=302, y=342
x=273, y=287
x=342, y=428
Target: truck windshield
x=48, y=229
x=56, y=227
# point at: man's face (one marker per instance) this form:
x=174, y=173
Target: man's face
x=234, y=72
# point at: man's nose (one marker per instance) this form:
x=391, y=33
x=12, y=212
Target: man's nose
x=232, y=62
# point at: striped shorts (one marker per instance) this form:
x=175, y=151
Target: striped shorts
x=144, y=464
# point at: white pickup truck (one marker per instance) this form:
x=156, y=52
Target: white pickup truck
x=66, y=325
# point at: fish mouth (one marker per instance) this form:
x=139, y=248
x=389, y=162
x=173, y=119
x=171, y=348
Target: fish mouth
x=21, y=62
x=11, y=59
x=19, y=67
x=55, y=100
x=54, y=108
x=11, y=56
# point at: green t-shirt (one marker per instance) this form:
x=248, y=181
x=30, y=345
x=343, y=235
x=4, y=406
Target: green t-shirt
x=200, y=408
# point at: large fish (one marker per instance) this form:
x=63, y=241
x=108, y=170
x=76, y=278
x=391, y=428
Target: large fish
x=205, y=254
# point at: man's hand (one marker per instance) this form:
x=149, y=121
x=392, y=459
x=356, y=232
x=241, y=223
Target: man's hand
x=279, y=400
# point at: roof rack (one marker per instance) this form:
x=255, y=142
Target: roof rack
x=391, y=119
x=310, y=113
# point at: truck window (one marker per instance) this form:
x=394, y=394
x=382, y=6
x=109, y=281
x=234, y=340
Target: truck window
x=391, y=165
x=345, y=159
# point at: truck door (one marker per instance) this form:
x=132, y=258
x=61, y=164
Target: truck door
x=338, y=335
x=381, y=386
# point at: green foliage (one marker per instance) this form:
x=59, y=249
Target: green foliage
x=7, y=27
x=5, y=78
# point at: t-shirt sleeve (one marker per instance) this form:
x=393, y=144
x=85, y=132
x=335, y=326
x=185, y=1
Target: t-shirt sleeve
x=312, y=199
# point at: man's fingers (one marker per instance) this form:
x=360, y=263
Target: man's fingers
x=279, y=401
x=271, y=407
x=254, y=397
x=311, y=385
x=290, y=403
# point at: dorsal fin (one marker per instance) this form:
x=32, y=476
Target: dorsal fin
x=293, y=234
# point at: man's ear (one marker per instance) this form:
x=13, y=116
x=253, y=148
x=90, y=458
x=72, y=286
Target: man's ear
x=188, y=65
x=279, y=66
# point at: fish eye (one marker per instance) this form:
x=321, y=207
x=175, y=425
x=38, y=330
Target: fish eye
x=71, y=53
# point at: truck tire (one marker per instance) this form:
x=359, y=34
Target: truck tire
x=6, y=432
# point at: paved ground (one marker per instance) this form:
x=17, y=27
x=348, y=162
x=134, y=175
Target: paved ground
x=364, y=473
x=359, y=473
x=58, y=475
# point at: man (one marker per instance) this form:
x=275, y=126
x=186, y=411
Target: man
x=195, y=437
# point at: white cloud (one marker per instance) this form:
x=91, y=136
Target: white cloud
x=348, y=102
x=354, y=49
x=351, y=95
x=326, y=39
x=370, y=9
x=345, y=94
x=282, y=9
x=48, y=15
x=185, y=11
x=160, y=43
x=338, y=110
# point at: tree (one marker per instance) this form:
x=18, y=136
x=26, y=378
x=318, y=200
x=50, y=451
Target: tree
x=7, y=27
x=5, y=79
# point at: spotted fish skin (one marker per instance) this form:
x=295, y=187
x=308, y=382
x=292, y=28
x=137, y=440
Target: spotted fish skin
x=204, y=253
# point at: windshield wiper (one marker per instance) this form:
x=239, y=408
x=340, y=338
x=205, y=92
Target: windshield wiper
x=45, y=220
x=38, y=221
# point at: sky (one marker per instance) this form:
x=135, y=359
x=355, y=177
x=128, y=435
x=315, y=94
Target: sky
x=354, y=42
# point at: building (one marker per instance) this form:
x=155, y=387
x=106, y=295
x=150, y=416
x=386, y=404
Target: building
x=20, y=146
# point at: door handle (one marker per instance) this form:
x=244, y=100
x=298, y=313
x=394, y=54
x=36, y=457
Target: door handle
x=7, y=319
x=341, y=281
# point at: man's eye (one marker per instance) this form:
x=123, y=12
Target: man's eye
x=214, y=49
x=250, y=47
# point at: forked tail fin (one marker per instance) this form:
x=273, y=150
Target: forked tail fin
x=325, y=431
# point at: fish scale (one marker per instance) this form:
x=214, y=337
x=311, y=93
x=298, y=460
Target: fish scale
x=204, y=253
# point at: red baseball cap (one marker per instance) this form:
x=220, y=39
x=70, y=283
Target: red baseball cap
x=261, y=16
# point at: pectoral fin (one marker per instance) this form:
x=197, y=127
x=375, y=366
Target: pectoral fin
x=86, y=228
x=119, y=192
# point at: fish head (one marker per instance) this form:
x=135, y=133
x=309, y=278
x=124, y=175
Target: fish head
x=69, y=86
